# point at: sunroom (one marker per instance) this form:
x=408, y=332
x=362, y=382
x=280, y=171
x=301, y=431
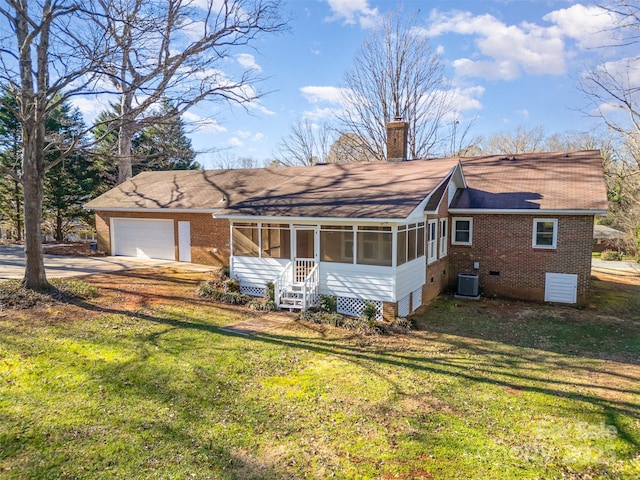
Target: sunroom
x=355, y=261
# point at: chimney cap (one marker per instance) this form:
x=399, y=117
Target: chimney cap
x=397, y=118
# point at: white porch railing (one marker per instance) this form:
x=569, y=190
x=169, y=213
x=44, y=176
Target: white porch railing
x=298, y=285
x=303, y=269
x=282, y=282
x=311, y=287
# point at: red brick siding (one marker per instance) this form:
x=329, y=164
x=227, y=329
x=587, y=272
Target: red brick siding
x=503, y=243
x=207, y=234
x=438, y=271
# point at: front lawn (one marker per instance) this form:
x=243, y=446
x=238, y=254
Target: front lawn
x=140, y=382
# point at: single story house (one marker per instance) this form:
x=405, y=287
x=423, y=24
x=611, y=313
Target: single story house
x=394, y=233
x=606, y=238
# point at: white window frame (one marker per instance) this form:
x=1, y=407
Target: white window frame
x=444, y=230
x=454, y=222
x=554, y=244
x=432, y=241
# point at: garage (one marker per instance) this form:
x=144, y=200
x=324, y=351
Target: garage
x=143, y=237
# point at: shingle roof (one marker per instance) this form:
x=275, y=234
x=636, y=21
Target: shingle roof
x=354, y=190
x=570, y=181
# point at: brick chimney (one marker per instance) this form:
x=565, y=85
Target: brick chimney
x=397, y=134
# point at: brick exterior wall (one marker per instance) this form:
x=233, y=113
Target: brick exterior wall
x=207, y=234
x=437, y=272
x=511, y=267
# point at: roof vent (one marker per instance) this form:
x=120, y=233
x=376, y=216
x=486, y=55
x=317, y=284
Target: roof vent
x=513, y=159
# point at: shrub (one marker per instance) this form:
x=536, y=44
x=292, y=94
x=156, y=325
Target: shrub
x=223, y=289
x=370, y=311
x=231, y=285
x=263, y=304
x=270, y=292
x=401, y=324
x=360, y=325
x=611, y=255
x=328, y=303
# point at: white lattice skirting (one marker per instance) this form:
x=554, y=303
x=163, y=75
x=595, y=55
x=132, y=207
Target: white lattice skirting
x=354, y=306
x=253, y=291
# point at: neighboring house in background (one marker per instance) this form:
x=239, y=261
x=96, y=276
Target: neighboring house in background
x=394, y=233
x=606, y=238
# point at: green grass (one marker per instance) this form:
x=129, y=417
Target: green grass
x=484, y=390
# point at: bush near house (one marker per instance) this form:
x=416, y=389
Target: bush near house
x=611, y=255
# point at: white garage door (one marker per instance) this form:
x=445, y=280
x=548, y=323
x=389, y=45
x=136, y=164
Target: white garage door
x=144, y=238
x=561, y=287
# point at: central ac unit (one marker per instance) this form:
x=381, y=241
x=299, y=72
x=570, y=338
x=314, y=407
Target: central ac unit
x=468, y=285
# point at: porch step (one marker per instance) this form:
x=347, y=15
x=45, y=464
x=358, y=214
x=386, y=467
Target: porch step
x=292, y=297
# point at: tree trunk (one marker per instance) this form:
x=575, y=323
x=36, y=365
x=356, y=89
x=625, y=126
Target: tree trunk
x=125, y=140
x=33, y=185
x=18, y=219
x=59, y=221
x=34, y=274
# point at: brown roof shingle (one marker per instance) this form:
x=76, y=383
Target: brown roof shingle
x=353, y=190
x=538, y=181
x=571, y=181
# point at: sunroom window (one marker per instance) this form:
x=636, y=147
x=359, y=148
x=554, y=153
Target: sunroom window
x=410, y=244
x=276, y=241
x=374, y=246
x=245, y=240
x=336, y=243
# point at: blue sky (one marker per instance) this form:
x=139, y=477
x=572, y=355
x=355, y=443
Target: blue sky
x=511, y=63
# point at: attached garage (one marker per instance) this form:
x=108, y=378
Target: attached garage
x=143, y=237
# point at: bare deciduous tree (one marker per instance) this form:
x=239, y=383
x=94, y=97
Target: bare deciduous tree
x=613, y=91
x=396, y=73
x=307, y=144
x=175, y=50
x=520, y=140
x=46, y=53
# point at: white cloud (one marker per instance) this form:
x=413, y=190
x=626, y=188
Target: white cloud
x=464, y=99
x=203, y=124
x=508, y=50
x=319, y=114
x=235, y=142
x=243, y=135
x=194, y=30
x=317, y=94
x=590, y=26
x=90, y=107
x=248, y=61
x=354, y=11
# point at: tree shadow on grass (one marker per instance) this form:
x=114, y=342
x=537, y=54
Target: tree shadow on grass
x=608, y=330
x=518, y=369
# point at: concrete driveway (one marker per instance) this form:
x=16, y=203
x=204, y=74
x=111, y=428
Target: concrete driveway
x=615, y=268
x=59, y=266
